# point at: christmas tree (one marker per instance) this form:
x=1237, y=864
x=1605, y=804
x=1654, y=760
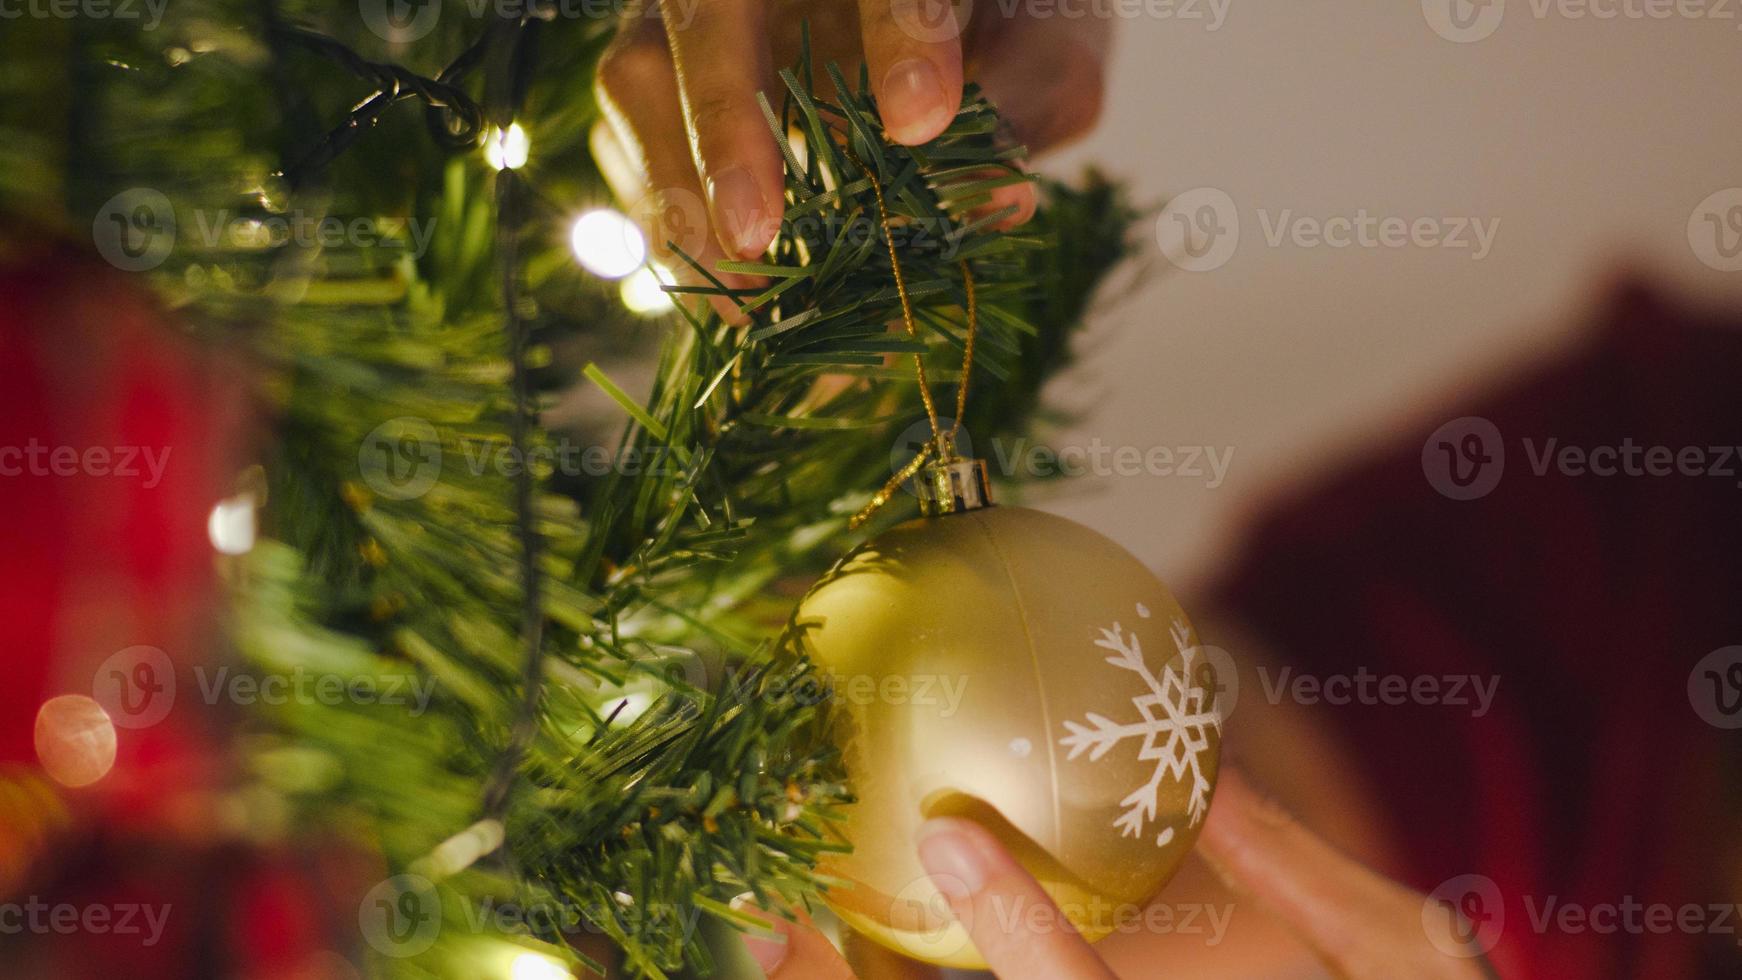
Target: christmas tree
x=597, y=717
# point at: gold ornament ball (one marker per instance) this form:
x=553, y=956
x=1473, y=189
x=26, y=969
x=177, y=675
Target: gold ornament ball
x=1022, y=670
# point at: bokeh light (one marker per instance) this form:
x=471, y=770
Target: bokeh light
x=532, y=966
x=507, y=150
x=607, y=244
x=231, y=525
x=75, y=740
x=642, y=293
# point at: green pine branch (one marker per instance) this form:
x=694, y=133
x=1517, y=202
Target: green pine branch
x=677, y=760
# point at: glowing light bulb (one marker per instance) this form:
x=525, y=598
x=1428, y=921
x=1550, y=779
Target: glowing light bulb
x=607, y=244
x=531, y=966
x=231, y=525
x=507, y=149
x=75, y=740
x=642, y=293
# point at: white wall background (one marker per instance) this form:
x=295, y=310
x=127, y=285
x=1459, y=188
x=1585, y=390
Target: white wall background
x=1591, y=141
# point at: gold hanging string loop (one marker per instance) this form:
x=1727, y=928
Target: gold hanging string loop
x=941, y=446
x=931, y=409
x=887, y=493
x=967, y=352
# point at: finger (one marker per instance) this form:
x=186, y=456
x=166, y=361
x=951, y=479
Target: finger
x=914, y=51
x=644, y=154
x=1024, y=198
x=624, y=173
x=797, y=951
x=669, y=219
x=1361, y=924
x=722, y=58
x=1001, y=905
x=1047, y=83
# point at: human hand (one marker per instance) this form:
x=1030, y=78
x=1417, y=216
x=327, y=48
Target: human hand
x=1358, y=923
x=684, y=137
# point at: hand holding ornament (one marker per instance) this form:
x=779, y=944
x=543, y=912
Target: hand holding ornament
x=1358, y=923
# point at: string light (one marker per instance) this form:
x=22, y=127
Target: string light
x=460, y=851
x=231, y=525
x=532, y=966
x=75, y=740
x=607, y=244
x=507, y=149
x=642, y=293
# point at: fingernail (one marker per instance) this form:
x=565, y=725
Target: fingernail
x=739, y=210
x=767, y=951
x=954, y=857
x=915, y=106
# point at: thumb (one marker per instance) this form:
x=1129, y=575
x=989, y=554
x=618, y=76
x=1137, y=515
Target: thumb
x=1360, y=923
x=795, y=950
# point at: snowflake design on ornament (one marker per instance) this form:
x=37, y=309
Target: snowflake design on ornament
x=1176, y=718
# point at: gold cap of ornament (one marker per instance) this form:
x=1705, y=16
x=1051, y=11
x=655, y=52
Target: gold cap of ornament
x=953, y=486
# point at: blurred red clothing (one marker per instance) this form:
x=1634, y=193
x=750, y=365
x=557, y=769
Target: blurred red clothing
x=100, y=554
x=1592, y=781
